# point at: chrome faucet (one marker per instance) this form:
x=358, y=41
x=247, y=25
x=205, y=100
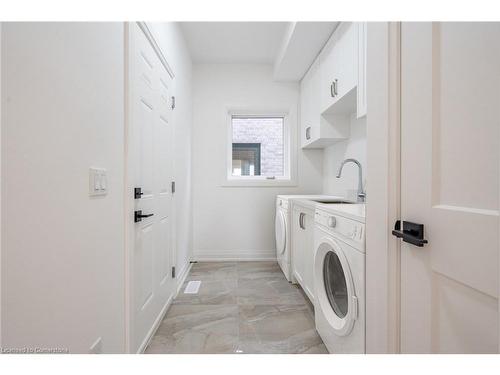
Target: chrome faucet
x=361, y=193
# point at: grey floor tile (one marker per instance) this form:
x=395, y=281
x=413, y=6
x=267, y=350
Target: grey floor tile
x=211, y=292
x=268, y=290
x=241, y=307
x=278, y=329
x=274, y=322
x=257, y=270
x=213, y=271
x=197, y=329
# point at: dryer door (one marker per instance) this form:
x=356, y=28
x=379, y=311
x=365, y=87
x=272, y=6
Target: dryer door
x=334, y=286
x=280, y=228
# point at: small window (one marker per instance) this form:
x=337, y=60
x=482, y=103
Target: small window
x=258, y=148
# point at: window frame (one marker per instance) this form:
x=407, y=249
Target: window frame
x=289, y=157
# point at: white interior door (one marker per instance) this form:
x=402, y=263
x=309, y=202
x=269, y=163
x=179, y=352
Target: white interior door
x=450, y=122
x=151, y=168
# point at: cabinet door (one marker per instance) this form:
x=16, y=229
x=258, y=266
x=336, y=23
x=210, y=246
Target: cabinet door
x=339, y=65
x=310, y=111
x=305, y=108
x=348, y=55
x=297, y=247
x=308, y=250
x=329, y=68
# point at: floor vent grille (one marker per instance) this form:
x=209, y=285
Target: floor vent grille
x=192, y=287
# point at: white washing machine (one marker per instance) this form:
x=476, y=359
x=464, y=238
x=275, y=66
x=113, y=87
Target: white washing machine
x=283, y=227
x=339, y=277
x=282, y=231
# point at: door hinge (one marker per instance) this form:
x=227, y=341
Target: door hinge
x=173, y=272
x=173, y=102
x=173, y=187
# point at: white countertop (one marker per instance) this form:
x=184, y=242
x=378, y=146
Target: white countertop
x=309, y=197
x=354, y=211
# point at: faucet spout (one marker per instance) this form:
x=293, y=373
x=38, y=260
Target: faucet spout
x=361, y=192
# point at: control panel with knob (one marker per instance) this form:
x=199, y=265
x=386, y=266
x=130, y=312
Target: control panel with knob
x=345, y=229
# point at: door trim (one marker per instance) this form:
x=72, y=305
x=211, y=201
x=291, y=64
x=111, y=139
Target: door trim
x=383, y=172
x=395, y=181
x=149, y=35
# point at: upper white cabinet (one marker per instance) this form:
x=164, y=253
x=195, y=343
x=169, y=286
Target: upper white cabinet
x=339, y=68
x=334, y=88
x=316, y=130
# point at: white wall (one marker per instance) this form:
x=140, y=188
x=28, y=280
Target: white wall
x=62, y=251
x=173, y=45
x=354, y=147
x=238, y=222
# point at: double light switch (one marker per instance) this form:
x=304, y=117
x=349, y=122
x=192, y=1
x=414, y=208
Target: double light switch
x=98, y=181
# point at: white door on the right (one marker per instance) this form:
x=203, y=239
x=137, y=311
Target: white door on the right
x=450, y=152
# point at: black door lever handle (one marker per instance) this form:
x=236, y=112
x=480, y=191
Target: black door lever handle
x=138, y=193
x=412, y=233
x=138, y=216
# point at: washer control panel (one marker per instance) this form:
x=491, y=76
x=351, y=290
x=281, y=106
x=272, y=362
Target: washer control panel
x=332, y=221
x=283, y=203
x=346, y=229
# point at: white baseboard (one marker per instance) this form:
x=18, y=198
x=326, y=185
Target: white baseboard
x=234, y=256
x=164, y=310
x=155, y=326
x=182, y=277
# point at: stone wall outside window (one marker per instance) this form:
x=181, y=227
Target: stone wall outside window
x=269, y=133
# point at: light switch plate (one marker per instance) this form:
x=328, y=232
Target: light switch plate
x=98, y=181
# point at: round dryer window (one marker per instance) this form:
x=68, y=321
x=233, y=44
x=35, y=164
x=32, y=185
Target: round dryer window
x=280, y=227
x=335, y=284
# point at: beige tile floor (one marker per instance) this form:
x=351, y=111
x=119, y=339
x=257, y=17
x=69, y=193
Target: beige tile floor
x=241, y=307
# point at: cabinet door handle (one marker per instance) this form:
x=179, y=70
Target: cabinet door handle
x=301, y=220
x=308, y=133
x=332, y=92
x=335, y=83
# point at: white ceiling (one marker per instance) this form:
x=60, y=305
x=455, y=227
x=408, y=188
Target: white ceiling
x=301, y=44
x=234, y=42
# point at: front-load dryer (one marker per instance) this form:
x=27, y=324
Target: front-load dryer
x=282, y=232
x=339, y=278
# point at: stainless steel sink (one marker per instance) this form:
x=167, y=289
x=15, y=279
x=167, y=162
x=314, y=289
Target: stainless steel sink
x=332, y=201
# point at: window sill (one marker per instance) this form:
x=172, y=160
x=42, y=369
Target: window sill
x=258, y=183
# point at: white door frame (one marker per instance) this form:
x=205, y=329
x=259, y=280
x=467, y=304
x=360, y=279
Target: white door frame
x=129, y=185
x=383, y=201
x=0, y=184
